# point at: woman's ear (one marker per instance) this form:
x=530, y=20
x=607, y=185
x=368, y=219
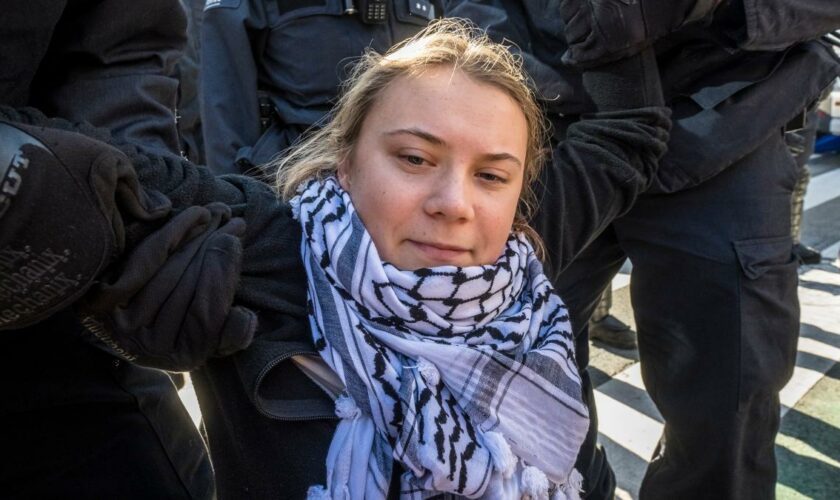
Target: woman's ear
x=343, y=173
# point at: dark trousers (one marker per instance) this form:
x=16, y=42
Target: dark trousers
x=714, y=292
x=76, y=422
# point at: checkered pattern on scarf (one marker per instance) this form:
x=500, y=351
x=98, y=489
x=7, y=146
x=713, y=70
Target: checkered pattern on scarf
x=436, y=358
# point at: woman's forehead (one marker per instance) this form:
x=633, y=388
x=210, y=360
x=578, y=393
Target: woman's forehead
x=448, y=104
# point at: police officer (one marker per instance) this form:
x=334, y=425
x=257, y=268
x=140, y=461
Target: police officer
x=271, y=69
x=78, y=421
x=714, y=280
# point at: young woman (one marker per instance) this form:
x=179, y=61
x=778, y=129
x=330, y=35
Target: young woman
x=450, y=352
x=417, y=309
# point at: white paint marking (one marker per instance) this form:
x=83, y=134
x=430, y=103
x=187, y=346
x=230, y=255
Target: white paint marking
x=800, y=383
x=831, y=253
x=620, y=281
x=633, y=430
x=823, y=188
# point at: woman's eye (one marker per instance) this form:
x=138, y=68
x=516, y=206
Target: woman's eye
x=486, y=176
x=414, y=160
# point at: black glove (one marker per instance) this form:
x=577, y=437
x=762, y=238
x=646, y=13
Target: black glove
x=65, y=201
x=601, y=31
x=170, y=305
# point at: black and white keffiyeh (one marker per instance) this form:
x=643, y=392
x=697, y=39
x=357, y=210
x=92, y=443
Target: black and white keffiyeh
x=465, y=375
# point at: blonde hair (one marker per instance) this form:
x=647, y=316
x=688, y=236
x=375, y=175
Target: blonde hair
x=445, y=42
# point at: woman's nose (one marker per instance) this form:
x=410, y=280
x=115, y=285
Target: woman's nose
x=451, y=198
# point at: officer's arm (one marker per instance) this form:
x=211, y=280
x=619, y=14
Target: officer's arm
x=229, y=105
x=501, y=19
x=269, y=222
x=65, y=205
x=506, y=22
x=777, y=24
x=601, y=31
x=607, y=159
x=111, y=63
x=183, y=287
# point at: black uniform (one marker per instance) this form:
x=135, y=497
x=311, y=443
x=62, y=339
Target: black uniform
x=714, y=282
x=282, y=62
x=78, y=422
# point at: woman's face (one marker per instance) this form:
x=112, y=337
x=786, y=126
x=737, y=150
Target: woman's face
x=437, y=170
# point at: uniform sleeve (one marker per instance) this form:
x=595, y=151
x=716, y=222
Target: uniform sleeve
x=607, y=159
x=501, y=19
x=111, y=63
x=230, y=34
x=801, y=20
x=778, y=24
x=273, y=278
x=508, y=23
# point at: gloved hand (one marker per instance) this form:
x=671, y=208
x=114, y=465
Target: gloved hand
x=602, y=31
x=65, y=201
x=271, y=282
x=170, y=305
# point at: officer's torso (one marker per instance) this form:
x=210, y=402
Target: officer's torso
x=312, y=44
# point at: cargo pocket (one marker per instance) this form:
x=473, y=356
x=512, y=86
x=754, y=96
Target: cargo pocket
x=769, y=315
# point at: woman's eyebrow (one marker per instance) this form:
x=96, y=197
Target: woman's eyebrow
x=426, y=136
x=419, y=133
x=491, y=157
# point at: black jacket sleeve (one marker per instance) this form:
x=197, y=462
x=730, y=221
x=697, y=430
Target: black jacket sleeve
x=111, y=63
x=778, y=24
x=273, y=280
x=715, y=125
x=272, y=239
x=607, y=159
x=65, y=201
x=527, y=31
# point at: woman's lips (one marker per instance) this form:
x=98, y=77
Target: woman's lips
x=440, y=252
